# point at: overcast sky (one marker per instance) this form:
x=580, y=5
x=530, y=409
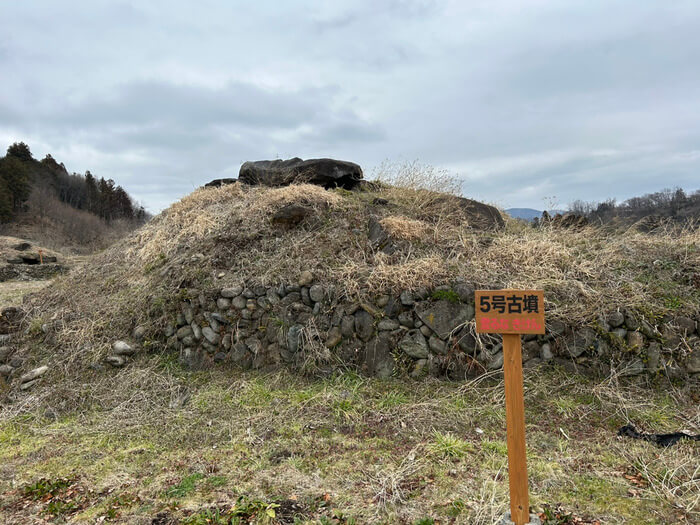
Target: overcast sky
x=525, y=100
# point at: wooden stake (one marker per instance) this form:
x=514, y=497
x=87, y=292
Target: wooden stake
x=41, y=257
x=515, y=428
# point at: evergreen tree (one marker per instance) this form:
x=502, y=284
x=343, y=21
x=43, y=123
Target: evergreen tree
x=20, y=151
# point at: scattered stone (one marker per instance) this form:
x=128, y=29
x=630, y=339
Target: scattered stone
x=316, y=293
x=139, y=333
x=635, y=340
x=6, y=370
x=219, y=357
x=546, y=352
x=122, y=348
x=693, y=363
x=5, y=353
x=196, y=331
x=619, y=332
x=117, y=361
x=379, y=238
x=290, y=215
x=28, y=384
x=34, y=374
x=476, y=214
x=616, y=319
x=306, y=278
x=685, y=324
x=329, y=173
x=414, y=345
x=392, y=308
x=387, y=324
x=556, y=328
x=425, y=330
x=217, y=183
x=231, y=292
x=305, y=297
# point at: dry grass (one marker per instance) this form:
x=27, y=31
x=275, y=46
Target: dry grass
x=404, y=228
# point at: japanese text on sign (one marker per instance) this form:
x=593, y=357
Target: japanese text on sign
x=510, y=311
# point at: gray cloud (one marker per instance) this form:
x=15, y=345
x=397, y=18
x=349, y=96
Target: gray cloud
x=587, y=99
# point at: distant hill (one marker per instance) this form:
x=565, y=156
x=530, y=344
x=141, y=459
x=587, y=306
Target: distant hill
x=528, y=214
x=41, y=200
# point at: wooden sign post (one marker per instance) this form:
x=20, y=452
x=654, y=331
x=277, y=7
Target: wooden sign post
x=512, y=313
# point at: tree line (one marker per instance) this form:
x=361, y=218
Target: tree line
x=21, y=174
x=673, y=203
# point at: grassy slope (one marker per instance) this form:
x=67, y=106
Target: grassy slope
x=362, y=449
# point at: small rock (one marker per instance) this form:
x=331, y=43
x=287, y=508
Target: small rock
x=546, y=352
x=189, y=314
x=122, y=348
x=210, y=335
x=619, y=332
x=634, y=368
x=347, y=326
x=219, y=357
x=233, y=291
x=28, y=384
x=631, y=321
x=685, y=324
x=239, y=302
x=5, y=370
x=406, y=319
x=294, y=338
x=306, y=278
x=425, y=330
x=530, y=350
x=364, y=325
x=387, y=325
x=117, y=361
x=635, y=340
x=334, y=337
x=196, y=331
x=420, y=369
x=437, y=345
x=222, y=303
x=616, y=319
x=316, y=293
x=496, y=361
x=465, y=292
x=273, y=297
x=406, y=298
x=184, y=332
x=693, y=363
x=654, y=357
x=305, y=297
x=33, y=374
x=139, y=333
x=382, y=301
x=4, y=353
x=414, y=345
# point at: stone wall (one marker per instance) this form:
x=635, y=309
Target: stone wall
x=427, y=332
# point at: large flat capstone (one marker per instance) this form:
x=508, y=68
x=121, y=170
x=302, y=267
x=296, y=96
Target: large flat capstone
x=329, y=173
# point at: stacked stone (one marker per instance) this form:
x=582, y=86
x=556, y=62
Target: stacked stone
x=426, y=332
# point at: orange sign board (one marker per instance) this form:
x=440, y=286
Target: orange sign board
x=509, y=311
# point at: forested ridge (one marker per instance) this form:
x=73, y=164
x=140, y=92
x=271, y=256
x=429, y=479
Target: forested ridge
x=21, y=176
